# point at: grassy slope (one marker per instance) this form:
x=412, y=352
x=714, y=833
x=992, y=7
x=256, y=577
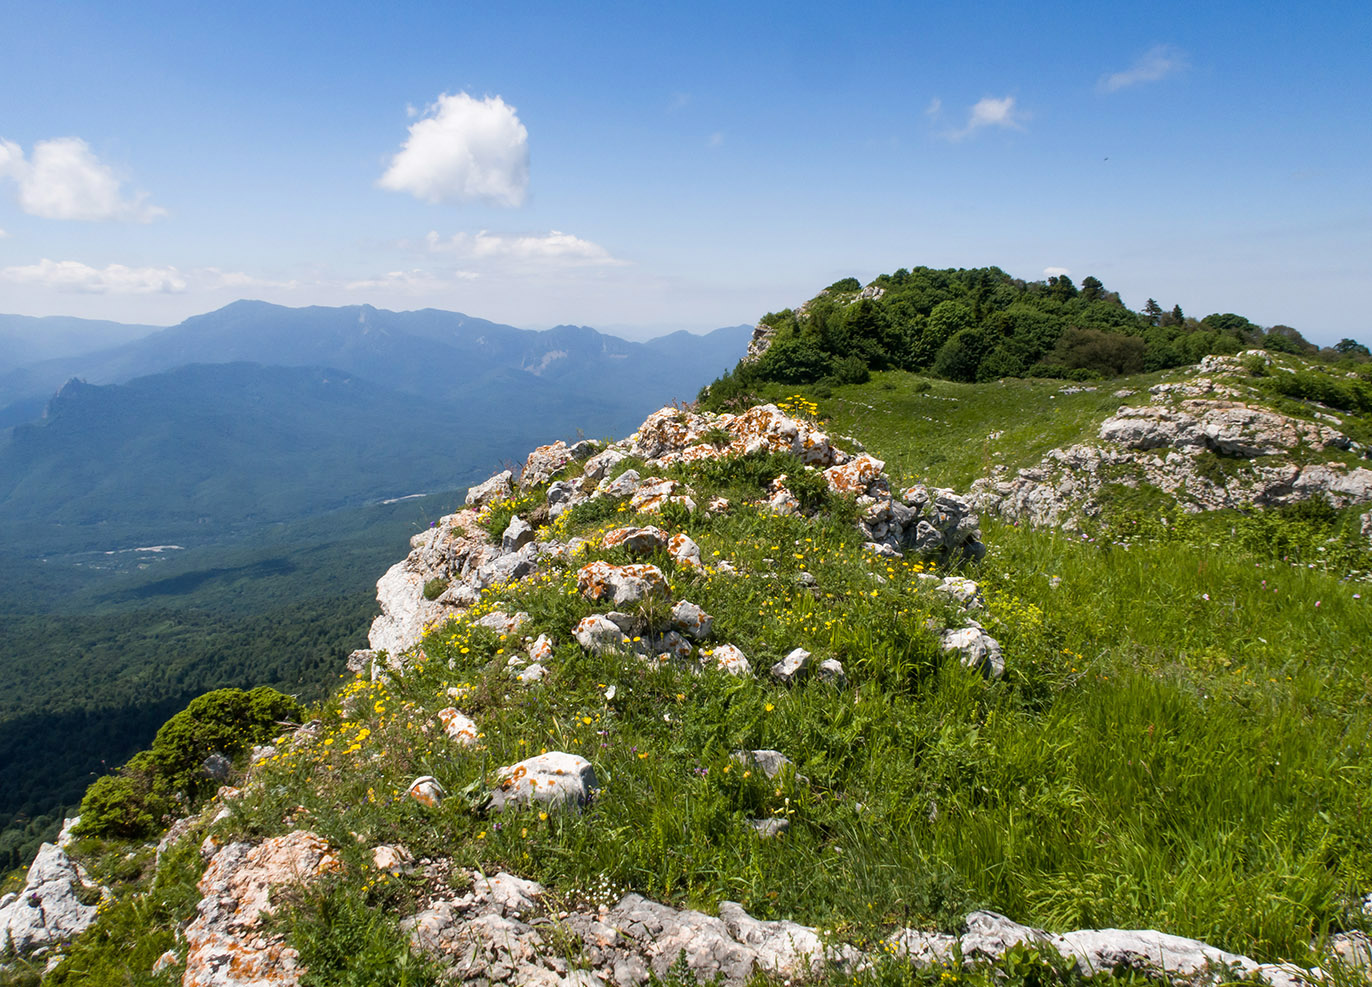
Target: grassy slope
x=1181, y=740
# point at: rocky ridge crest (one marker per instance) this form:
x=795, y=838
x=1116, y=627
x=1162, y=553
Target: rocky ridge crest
x=1204, y=440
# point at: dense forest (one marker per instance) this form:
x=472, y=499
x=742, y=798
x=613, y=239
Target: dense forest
x=110, y=680
x=982, y=324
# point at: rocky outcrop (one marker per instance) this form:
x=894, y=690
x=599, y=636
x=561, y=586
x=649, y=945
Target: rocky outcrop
x=228, y=944
x=50, y=909
x=459, y=556
x=501, y=932
x=1255, y=456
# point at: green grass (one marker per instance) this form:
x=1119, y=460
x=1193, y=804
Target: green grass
x=939, y=432
x=1149, y=761
x=1182, y=739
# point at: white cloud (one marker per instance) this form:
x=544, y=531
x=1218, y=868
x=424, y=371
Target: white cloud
x=411, y=281
x=70, y=275
x=65, y=180
x=1156, y=63
x=934, y=108
x=3, y=234
x=990, y=112
x=1055, y=272
x=553, y=248
x=463, y=149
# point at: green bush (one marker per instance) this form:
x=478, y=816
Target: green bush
x=434, y=588
x=227, y=721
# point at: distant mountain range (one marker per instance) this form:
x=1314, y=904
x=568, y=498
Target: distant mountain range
x=258, y=414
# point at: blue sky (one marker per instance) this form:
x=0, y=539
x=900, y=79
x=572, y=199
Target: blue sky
x=647, y=167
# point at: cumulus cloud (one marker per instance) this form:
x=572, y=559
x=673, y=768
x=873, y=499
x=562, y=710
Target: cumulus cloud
x=553, y=248
x=1056, y=272
x=63, y=179
x=463, y=149
x=990, y=112
x=1156, y=63
x=70, y=275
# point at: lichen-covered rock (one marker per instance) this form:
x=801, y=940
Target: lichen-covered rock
x=541, y=650
x=728, y=658
x=684, y=550
x=228, y=943
x=426, y=791
x=691, y=620
x=638, y=541
x=655, y=491
x=555, y=778
x=855, y=476
x=620, y=584
x=458, y=727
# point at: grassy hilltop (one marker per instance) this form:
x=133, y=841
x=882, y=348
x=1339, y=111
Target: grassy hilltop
x=1181, y=740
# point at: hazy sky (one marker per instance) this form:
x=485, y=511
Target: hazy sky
x=680, y=165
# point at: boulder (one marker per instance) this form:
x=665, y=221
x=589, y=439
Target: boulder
x=684, y=550
x=599, y=634
x=518, y=533
x=543, y=463
x=831, y=670
x=620, y=584
x=502, y=623
x=621, y=486
x=637, y=541
x=554, y=779
x=692, y=621
x=769, y=762
x=792, y=665
x=855, y=476
x=976, y=649
x=426, y=791
x=459, y=728
x=728, y=658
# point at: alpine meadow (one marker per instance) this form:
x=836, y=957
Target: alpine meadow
x=697, y=495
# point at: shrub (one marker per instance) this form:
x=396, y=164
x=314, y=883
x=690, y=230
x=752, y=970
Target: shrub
x=434, y=588
x=226, y=721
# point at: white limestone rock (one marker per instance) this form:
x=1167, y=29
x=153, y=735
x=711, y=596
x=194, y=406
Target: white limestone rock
x=793, y=665
x=497, y=488
x=48, y=910
x=598, y=634
x=692, y=621
x=976, y=649
x=554, y=779
x=727, y=658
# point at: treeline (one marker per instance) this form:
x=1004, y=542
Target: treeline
x=981, y=324
x=110, y=681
